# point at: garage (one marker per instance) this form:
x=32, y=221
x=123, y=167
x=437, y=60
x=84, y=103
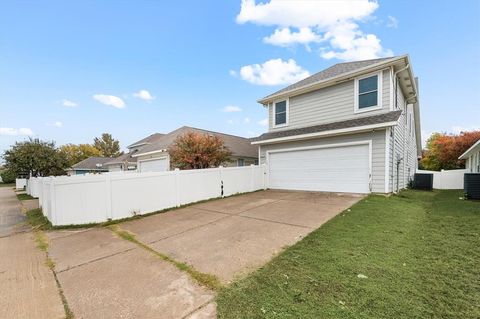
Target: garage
x=335, y=168
x=154, y=165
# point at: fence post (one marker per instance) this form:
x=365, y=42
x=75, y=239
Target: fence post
x=53, y=205
x=108, y=197
x=222, y=193
x=177, y=186
x=252, y=177
x=264, y=176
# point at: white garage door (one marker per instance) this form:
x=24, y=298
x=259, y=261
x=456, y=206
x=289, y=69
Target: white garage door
x=334, y=169
x=157, y=165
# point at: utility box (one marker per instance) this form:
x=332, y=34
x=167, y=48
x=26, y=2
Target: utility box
x=423, y=181
x=471, y=185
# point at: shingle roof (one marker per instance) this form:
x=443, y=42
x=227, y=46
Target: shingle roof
x=239, y=146
x=147, y=140
x=122, y=158
x=361, y=121
x=91, y=163
x=331, y=72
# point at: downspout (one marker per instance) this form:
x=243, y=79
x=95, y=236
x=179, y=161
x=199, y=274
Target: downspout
x=393, y=128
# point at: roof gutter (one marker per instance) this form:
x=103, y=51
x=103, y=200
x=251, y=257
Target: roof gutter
x=343, y=131
x=149, y=153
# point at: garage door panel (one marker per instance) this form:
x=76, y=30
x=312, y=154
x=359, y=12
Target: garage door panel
x=337, y=169
x=159, y=165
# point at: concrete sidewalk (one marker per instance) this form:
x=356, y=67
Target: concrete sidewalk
x=11, y=217
x=28, y=287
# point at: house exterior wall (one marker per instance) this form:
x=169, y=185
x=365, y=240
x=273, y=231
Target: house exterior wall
x=115, y=168
x=377, y=137
x=330, y=104
x=403, y=147
x=472, y=163
x=234, y=159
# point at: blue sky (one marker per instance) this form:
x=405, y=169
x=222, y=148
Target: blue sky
x=72, y=70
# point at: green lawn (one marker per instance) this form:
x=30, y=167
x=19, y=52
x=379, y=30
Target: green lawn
x=24, y=197
x=420, y=252
x=7, y=184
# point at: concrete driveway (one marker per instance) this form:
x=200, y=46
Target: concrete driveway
x=104, y=276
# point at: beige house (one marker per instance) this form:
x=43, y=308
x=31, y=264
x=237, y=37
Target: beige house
x=93, y=164
x=354, y=127
x=151, y=153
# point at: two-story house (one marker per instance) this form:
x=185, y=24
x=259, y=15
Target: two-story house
x=354, y=127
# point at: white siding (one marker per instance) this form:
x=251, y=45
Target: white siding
x=330, y=104
x=403, y=148
x=378, y=152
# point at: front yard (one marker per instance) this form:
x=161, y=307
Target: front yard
x=415, y=255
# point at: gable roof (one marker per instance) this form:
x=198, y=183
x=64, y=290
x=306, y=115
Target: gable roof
x=331, y=72
x=385, y=119
x=470, y=150
x=147, y=140
x=91, y=163
x=239, y=146
x=127, y=157
x=346, y=71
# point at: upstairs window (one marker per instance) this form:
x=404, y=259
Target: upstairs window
x=368, y=93
x=280, y=110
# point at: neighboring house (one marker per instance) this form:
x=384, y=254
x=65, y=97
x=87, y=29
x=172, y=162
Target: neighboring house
x=127, y=162
x=92, y=164
x=154, y=157
x=472, y=158
x=354, y=127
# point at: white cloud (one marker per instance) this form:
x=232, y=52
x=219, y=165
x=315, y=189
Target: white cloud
x=273, y=72
x=110, y=100
x=56, y=124
x=330, y=22
x=23, y=131
x=69, y=103
x=246, y=120
x=392, y=22
x=231, y=108
x=263, y=122
x=348, y=43
x=284, y=37
x=144, y=95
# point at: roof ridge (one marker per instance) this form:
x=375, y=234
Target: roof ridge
x=215, y=132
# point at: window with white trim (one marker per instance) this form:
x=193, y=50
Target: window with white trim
x=368, y=92
x=280, y=116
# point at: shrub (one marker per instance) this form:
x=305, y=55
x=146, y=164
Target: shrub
x=8, y=176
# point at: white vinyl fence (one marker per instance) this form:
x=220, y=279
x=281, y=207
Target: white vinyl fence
x=20, y=183
x=86, y=199
x=452, y=179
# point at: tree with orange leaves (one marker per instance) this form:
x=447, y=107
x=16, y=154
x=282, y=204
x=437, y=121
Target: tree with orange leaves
x=443, y=150
x=194, y=151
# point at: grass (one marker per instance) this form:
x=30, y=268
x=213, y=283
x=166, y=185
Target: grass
x=207, y=280
x=24, y=196
x=42, y=244
x=419, y=251
x=7, y=184
x=36, y=219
